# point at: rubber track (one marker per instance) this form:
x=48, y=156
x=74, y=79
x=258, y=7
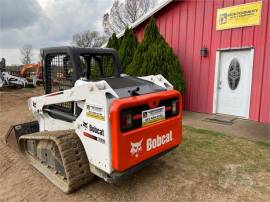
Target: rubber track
x=73, y=156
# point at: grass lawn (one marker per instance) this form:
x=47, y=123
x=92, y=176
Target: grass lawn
x=225, y=164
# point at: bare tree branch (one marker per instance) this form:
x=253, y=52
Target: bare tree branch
x=88, y=39
x=27, y=54
x=124, y=13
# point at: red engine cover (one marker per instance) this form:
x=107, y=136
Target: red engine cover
x=132, y=147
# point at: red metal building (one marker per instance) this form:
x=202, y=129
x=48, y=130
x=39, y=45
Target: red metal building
x=234, y=77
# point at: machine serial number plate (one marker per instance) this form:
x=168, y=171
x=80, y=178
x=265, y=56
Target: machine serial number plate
x=152, y=116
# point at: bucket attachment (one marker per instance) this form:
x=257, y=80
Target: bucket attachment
x=16, y=131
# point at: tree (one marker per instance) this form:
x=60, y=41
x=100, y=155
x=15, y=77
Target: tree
x=88, y=39
x=127, y=48
x=27, y=54
x=154, y=56
x=3, y=64
x=122, y=14
x=151, y=36
x=113, y=42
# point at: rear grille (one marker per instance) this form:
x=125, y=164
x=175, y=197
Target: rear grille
x=137, y=113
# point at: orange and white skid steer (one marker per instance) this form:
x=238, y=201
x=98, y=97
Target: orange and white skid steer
x=93, y=120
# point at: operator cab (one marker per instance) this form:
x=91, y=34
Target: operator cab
x=63, y=66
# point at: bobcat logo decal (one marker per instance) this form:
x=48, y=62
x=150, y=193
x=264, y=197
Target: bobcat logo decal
x=136, y=147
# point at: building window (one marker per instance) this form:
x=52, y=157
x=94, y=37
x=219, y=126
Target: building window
x=234, y=74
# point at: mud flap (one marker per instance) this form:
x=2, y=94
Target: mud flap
x=16, y=131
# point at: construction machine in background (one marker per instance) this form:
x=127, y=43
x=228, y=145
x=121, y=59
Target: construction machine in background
x=8, y=80
x=2, y=80
x=93, y=120
x=33, y=73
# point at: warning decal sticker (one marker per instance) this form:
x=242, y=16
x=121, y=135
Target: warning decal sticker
x=152, y=116
x=95, y=111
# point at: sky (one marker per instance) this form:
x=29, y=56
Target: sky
x=44, y=23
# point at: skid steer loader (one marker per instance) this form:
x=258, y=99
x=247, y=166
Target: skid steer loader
x=9, y=80
x=93, y=120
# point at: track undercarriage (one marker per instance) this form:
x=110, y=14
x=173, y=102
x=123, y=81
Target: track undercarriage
x=58, y=155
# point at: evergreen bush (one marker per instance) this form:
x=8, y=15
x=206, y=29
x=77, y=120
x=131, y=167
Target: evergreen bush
x=154, y=56
x=107, y=61
x=113, y=42
x=127, y=48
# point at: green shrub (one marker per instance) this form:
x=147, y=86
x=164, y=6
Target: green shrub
x=113, y=42
x=107, y=61
x=154, y=56
x=127, y=48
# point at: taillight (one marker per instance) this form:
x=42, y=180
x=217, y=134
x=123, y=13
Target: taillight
x=131, y=118
x=175, y=107
x=126, y=120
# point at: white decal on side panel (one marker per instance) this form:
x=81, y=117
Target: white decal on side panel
x=136, y=148
x=158, y=141
x=95, y=111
